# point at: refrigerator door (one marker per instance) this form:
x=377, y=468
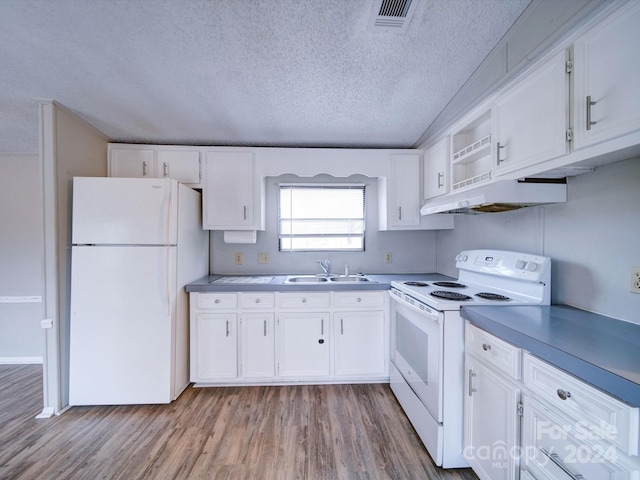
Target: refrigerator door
x=123, y=302
x=124, y=211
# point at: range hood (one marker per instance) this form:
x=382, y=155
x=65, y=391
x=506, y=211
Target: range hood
x=499, y=196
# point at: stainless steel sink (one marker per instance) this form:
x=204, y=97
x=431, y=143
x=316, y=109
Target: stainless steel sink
x=306, y=279
x=350, y=279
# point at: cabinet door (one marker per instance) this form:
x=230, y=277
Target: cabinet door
x=491, y=423
x=229, y=191
x=216, y=347
x=436, y=171
x=404, y=191
x=360, y=344
x=532, y=118
x=131, y=163
x=181, y=165
x=303, y=345
x=607, y=72
x=257, y=345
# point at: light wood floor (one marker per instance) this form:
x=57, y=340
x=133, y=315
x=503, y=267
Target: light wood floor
x=303, y=432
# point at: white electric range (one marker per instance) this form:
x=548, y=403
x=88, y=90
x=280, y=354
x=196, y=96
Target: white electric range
x=427, y=338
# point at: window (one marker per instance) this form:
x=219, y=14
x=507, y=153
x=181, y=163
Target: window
x=321, y=217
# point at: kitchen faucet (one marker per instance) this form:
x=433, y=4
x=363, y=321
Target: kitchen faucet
x=326, y=266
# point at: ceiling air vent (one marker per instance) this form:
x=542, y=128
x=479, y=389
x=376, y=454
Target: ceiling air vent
x=391, y=16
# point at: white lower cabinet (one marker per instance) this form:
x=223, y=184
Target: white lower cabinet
x=492, y=405
x=216, y=347
x=257, y=345
x=359, y=343
x=284, y=337
x=527, y=419
x=304, y=347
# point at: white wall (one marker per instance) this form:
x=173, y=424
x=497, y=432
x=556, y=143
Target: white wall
x=412, y=251
x=21, y=258
x=593, y=239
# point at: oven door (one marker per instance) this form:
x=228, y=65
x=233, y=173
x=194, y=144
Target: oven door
x=417, y=351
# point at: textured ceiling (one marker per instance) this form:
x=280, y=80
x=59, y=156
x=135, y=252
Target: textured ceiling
x=239, y=72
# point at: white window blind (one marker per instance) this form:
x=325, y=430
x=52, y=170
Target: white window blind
x=321, y=217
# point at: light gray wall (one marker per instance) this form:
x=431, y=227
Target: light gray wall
x=21, y=259
x=593, y=239
x=412, y=251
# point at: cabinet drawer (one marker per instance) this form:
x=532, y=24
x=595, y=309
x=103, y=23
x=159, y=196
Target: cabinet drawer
x=217, y=301
x=594, y=409
x=359, y=299
x=256, y=300
x=499, y=354
x=305, y=300
x=553, y=448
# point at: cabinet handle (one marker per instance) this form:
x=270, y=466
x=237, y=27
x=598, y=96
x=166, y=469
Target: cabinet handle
x=265, y=328
x=471, y=389
x=257, y=300
x=322, y=326
x=227, y=328
x=486, y=347
x=440, y=180
x=563, y=394
x=217, y=300
x=144, y=169
x=341, y=326
x=358, y=300
x=556, y=459
x=245, y=212
x=498, y=148
x=589, y=104
x=165, y=169
x=399, y=213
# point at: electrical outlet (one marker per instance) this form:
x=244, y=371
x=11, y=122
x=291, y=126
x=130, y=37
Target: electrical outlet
x=238, y=258
x=388, y=257
x=635, y=279
x=263, y=258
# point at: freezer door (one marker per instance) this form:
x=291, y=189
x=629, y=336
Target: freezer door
x=124, y=211
x=123, y=302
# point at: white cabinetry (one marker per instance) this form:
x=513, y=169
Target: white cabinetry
x=472, y=150
x=155, y=161
x=271, y=338
x=532, y=117
x=360, y=334
x=233, y=196
x=436, y=169
x=607, y=78
x=492, y=402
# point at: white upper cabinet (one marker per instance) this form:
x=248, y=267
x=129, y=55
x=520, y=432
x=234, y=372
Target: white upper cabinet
x=471, y=150
x=233, y=195
x=156, y=161
x=531, y=118
x=607, y=78
x=436, y=169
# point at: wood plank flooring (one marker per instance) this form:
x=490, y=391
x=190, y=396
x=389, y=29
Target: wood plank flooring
x=298, y=432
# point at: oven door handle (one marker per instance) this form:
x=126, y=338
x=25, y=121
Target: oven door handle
x=431, y=314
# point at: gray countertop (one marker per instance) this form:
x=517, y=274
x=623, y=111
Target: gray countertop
x=211, y=283
x=602, y=351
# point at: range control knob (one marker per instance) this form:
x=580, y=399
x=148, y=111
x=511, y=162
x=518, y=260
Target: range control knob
x=532, y=266
x=520, y=264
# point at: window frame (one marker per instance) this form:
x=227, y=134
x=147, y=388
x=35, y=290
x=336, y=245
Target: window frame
x=336, y=186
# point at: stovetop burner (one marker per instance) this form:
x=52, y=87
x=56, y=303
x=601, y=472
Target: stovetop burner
x=449, y=284
x=492, y=296
x=450, y=295
x=416, y=284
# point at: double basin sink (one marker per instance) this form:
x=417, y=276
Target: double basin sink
x=320, y=279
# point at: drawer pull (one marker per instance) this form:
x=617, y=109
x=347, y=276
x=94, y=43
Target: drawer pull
x=486, y=347
x=304, y=300
x=217, y=300
x=563, y=394
x=555, y=459
x=257, y=300
x=359, y=299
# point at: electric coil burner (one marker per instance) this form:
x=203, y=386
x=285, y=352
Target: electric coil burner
x=449, y=284
x=416, y=284
x=493, y=296
x=447, y=295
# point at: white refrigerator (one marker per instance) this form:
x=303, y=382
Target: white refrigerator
x=136, y=244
